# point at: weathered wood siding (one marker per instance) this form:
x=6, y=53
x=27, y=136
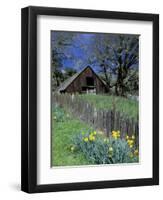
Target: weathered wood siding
x=80, y=81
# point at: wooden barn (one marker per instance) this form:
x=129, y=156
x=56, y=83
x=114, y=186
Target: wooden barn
x=85, y=81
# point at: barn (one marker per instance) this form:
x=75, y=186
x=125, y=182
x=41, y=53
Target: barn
x=85, y=81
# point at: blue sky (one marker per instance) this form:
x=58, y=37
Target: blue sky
x=78, y=52
x=76, y=56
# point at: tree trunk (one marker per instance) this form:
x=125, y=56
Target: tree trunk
x=106, y=78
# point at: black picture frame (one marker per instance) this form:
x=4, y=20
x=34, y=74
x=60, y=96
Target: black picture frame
x=29, y=99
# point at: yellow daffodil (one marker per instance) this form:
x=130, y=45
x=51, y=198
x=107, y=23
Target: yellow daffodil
x=133, y=137
x=116, y=134
x=110, y=152
x=94, y=133
x=91, y=137
x=130, y=143
x=136, y=152
x=127, y=137
x=110, y=149
x=85, y=139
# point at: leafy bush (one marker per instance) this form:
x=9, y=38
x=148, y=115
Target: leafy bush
x=100, y=150
x=59, y=114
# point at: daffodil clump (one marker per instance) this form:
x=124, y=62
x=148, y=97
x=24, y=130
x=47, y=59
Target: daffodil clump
x=106, y=150
x=91, y=137
x=116, y=134
x=86, y=139
x=130, y=140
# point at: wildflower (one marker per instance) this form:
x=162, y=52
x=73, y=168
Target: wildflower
x=127, y=137
x=94, y=133
x=110, y=152
x=110, y=149
x=136, y=152
x=116, y=134
x=72, y=148
x=85, y=139
x=130, y=143
x=91, y=137
x=133, y=137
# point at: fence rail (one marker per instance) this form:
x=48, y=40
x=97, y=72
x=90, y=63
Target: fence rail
x=104, y=120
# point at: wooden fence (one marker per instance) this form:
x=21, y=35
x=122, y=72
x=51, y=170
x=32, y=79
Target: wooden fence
x=104, y=120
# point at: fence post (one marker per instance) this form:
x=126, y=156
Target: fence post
x=105, y=120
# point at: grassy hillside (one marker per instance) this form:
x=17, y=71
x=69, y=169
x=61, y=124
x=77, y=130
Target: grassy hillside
x=64, y=127
x=123, y=105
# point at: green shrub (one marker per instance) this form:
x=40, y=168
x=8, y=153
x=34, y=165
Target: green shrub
x=100, y=150
x=59, y=114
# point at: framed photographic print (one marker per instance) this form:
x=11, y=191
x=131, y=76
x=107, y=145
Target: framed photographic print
x=90, y=99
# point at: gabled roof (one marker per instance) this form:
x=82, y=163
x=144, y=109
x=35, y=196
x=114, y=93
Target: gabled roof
x=67, y=82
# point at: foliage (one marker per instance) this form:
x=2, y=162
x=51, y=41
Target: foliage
x=74, y=143
x=60, y=42
x=63, y=130
x=68, y=72
x=106, y=150
x=118, y=57
x=59, y=114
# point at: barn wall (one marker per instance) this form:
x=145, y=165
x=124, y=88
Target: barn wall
x=80, y=81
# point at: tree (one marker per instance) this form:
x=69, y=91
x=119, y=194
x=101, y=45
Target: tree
x=59, y=42
x=117, y=56
x=69, y=72
x=124, y=64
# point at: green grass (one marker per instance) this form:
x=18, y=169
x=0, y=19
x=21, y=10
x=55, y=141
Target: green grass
x=65, y=127
x=62, y=134
x=104, y=102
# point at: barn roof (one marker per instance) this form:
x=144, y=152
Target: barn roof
x=67, y=82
